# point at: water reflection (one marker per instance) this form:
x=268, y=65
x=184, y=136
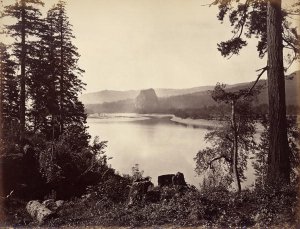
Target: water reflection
x=157, y=144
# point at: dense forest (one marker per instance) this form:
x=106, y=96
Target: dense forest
x=53, y=174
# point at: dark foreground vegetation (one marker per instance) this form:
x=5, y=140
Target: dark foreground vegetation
x=218, y=208
x=106, y=205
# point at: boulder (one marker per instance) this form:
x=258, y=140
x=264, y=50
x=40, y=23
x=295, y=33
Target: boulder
x=52, y=204
x=169, y=185
x=165, y=180
x=59, y=203
x=178, y=179
x=38, y=211
x=171, y=179
x=139, y=190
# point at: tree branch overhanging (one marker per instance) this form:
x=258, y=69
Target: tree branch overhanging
x=258, y=77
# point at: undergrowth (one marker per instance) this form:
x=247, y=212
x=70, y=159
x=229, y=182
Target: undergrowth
x=218, y=208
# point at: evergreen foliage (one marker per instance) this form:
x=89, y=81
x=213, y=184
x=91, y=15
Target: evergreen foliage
x=65, y=58
x=24, y=31
x=57, y=82
x=249, y=19
x=9, y=93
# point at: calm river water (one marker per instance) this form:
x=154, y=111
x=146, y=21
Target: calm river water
x=157, y=144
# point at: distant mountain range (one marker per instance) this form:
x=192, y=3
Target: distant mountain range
x=109, y=101
x=107, y=96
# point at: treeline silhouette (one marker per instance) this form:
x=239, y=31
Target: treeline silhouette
x=219, y=111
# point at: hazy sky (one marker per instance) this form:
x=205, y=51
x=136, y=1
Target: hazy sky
x=135, y=44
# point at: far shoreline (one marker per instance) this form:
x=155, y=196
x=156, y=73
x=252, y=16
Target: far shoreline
x=204, y=123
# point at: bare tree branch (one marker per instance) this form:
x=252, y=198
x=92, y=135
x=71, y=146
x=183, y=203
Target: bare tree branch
x=242, y=22
x=258, y=77
x=210, y=4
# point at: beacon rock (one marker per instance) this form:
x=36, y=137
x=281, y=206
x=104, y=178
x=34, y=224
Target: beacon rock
x=147, y=101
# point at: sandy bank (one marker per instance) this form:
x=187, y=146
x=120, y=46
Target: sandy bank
x=196, y=122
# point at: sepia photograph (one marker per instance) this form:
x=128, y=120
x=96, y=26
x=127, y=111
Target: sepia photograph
x=149, y=114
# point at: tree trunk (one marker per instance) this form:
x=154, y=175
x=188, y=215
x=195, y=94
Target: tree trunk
x=61, y=76
x=235, y=172
x=278, y=158
x=22, y=80
x=1, y=99
x=53, y=110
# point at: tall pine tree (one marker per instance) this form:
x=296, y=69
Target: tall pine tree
x=24, y=31
x=55, y=77
x=43, y=84
x=9, y=96
x=64, y=57
x=267, y=21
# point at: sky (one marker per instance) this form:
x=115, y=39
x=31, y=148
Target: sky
x=138, y=44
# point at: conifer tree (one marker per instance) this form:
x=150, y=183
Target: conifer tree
x=66, y=73
x=267, y=21
x=42, y=86
x=9, y=96
x=26, y=27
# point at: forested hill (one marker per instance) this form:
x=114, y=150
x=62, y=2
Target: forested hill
x=189, y=99
x=107, y=96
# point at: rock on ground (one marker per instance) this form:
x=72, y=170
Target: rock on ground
x=138, y=190
x=38, y=211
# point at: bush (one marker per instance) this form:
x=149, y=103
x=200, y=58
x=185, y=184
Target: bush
x=113, y=187
x=63, y=166
x=69, y=166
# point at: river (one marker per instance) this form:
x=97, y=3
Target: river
x=158, y=144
